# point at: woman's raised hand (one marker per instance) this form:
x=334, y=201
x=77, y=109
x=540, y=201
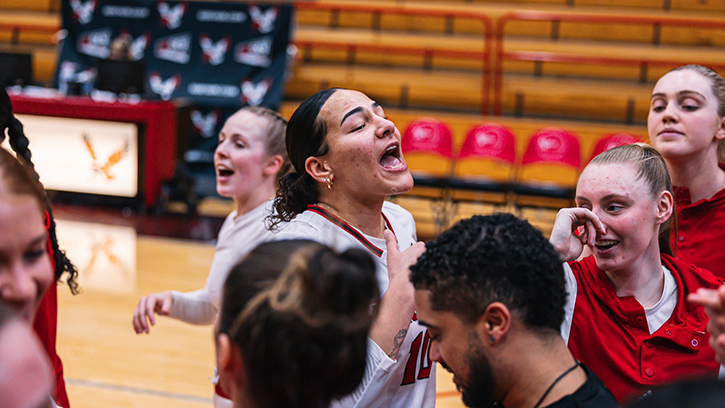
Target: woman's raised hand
x=400, y=262
x=564, y=236
x=398, y=304
x=159, y=303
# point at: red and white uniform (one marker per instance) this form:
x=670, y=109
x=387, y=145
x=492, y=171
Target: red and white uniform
x=237, y=237
x=409, y=381
x=45, y=325
x=632, y=348
x=701, y=230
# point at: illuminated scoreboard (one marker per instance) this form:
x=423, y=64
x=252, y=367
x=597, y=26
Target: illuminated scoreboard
x=84, y=156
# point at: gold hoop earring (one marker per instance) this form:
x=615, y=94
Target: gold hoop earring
x=329, y=183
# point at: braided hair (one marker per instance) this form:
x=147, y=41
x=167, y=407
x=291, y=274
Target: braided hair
x=19, y=143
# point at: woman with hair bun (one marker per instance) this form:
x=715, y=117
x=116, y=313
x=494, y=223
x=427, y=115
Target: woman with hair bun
x=686, y=124
x=18, y=178
x=627, y=317
x=293, y=325
x=347, y=159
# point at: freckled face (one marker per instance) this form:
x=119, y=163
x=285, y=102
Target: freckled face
x=683, y=118
x=364, y=147
x=25, y=268
x=623, y=203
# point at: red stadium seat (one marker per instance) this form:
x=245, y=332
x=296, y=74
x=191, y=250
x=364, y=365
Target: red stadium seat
x=611, y=141
x=427, y=146
x=552, y=145
x=550, y=165
x=488, y=152
x=485, y=165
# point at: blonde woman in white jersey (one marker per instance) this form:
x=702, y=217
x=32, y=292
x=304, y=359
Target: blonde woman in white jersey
x=249, y=160
x=347, y=159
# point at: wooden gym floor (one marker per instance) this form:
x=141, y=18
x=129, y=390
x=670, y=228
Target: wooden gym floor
x=106, y=363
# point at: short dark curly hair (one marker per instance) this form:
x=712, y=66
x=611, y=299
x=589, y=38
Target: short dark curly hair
x=495, y=258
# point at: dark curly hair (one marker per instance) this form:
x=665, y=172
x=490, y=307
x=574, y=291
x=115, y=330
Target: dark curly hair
x=300, y=314
x=305, y=137
x=19, y=143
x=495, y=258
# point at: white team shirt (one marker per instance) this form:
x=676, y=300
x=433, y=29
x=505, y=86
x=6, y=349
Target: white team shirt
x=237, y=237
x=409, y=381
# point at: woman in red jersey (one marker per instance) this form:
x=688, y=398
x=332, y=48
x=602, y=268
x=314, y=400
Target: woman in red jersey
x=687, y=126
x=45, y=311
x=627, y=315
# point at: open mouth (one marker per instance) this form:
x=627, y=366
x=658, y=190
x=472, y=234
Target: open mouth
x=392, y=159
x=223, y=171
x=605, y=245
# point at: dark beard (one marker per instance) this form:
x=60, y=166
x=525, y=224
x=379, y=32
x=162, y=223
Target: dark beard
x=478, y=392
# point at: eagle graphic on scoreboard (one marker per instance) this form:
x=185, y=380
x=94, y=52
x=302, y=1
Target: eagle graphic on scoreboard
x=111, y=161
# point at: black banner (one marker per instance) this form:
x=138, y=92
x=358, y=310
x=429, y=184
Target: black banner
x=219, y=56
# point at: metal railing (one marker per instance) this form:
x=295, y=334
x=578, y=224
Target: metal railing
x=377, y=11
x=657, y=23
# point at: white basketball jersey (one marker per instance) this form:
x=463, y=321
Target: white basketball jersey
x=409, y=381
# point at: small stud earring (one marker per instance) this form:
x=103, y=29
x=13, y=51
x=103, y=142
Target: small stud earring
x=493, y=339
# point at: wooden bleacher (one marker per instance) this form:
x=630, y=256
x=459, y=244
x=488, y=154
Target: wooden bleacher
x=588, y=99
x=30, y=31
x=617, y=93
x=496, y=9
x=629, y=5
x=46, y=6
x=416, y=80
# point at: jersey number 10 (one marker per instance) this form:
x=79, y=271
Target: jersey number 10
x=423, y=340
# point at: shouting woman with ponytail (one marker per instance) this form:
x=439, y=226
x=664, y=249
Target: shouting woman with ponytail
x=347, y=159
x=20, y=180
x=627, y=317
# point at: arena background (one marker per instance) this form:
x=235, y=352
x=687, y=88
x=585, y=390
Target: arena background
x=501, y=104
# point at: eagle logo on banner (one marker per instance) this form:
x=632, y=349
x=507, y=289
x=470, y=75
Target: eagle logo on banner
x=95, y=43
x=263, y=21
x=171, y=16
x=213, y=52
x=254, y=52
x=204, y=124
x=175, y=48
x=164, y=87
x=83, y=12
x=138, y=46
x=111, y=161
x=253, y=94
